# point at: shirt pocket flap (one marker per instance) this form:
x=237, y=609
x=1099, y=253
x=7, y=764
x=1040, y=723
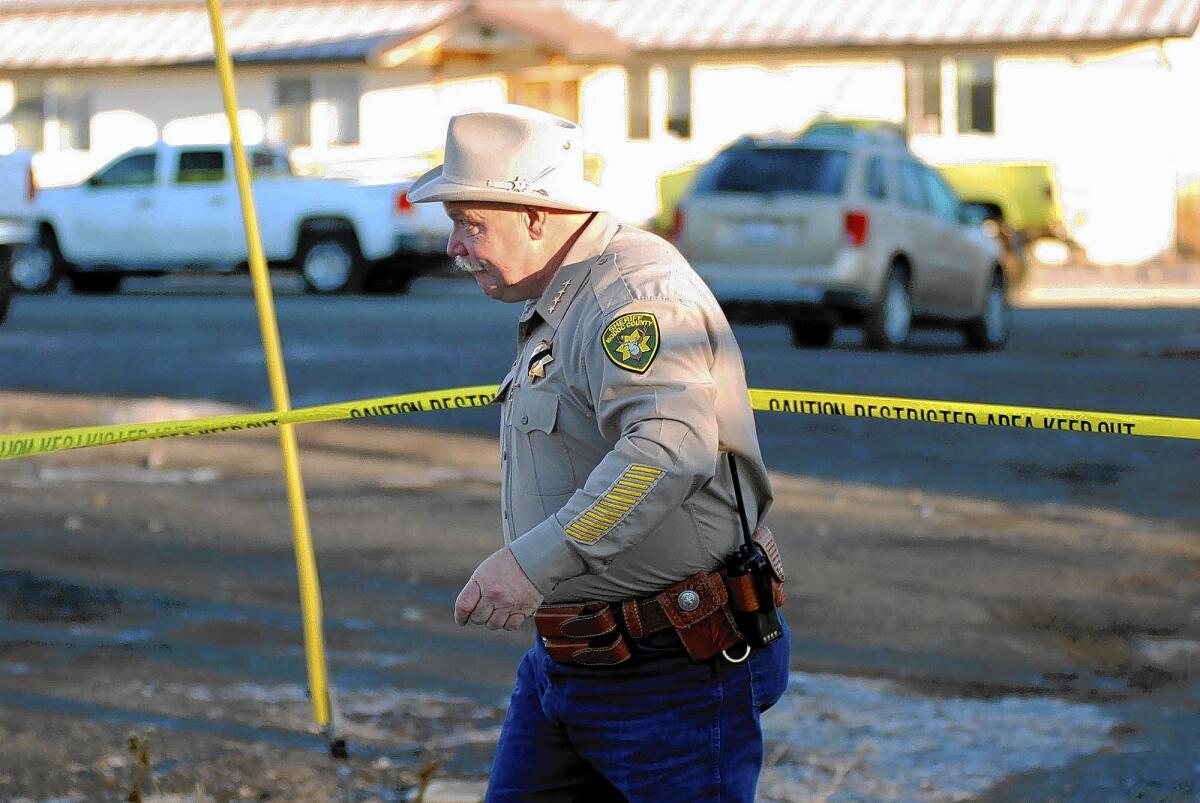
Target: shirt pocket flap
x=535, y=410
x=506, y=385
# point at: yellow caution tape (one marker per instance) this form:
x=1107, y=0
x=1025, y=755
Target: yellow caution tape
x=58, y=440
x=776, y=401
x=970, y=413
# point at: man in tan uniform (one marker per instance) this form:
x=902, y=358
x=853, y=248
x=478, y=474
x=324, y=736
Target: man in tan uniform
x=627, y=392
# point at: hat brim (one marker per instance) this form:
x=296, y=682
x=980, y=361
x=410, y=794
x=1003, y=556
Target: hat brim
x=584, y=196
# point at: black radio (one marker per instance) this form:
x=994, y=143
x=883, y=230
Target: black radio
x=762, y=626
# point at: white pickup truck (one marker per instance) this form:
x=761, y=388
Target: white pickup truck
x=173, y=208
x=16, y=215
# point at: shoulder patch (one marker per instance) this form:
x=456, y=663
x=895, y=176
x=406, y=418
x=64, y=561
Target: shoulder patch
x=631, y=341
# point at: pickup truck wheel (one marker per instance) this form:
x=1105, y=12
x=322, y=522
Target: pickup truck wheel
x=330, y=264
x=807, y=334
x=100, y=282
x=35, y=267
x=888, y=323
x=990, y=329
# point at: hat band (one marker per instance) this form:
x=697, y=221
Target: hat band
x=518, y=184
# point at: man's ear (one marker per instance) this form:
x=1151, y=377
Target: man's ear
x=535, y=222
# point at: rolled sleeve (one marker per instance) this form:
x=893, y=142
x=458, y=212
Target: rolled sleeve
x=545, y=556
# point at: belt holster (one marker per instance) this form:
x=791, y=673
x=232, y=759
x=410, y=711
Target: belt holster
x=697, y=608
x=583, y=633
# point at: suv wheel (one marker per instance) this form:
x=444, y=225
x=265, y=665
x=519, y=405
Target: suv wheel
x=330, y=264
x=888, y=323
x=35, y=267
x=990, y=329
x=807, y=334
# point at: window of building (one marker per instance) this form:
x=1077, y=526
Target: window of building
x=679, y=101
x=29, y=114
x=637, y=101
x=923, y=96
x=876, y=181
x=200, y=166
x=135, y=170
x=976, y=96
x=558, y=96
x=317, y=111
x=53, y=115
x=293, y=110
x=337, y=104
x=68, y=114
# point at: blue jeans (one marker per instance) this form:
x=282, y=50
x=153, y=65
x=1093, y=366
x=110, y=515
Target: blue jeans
x=659, y=730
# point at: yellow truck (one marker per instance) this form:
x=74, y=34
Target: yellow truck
x=1187, y=220
x=1022, y=195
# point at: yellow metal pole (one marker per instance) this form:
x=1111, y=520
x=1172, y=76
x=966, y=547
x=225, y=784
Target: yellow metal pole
x=306, y=564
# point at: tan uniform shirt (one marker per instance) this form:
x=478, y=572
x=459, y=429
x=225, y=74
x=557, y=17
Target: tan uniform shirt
x=627, y=390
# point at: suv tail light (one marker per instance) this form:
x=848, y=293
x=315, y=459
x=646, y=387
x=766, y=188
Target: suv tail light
x=30, y=184
x=857, y=224
x=676, y=226
x=403, y=205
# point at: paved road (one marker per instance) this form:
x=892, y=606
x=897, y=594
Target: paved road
x=197, y=338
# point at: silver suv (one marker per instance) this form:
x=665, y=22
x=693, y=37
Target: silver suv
x=841, y=227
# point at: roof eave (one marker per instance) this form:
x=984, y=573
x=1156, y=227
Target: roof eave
x=891, y=51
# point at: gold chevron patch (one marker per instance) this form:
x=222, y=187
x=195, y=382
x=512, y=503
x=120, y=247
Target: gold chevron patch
x=612, y=506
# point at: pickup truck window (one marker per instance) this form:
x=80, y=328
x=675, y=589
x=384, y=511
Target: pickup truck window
x=269, y=163
x=209, y=166
x=200, y=166
x=136, y=170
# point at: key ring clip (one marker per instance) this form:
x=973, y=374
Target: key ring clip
x=733, y=660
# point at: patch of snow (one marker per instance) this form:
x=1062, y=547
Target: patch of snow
x=147, y=476
x=852, y=740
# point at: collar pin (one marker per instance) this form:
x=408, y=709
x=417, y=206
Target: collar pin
x=558, y=296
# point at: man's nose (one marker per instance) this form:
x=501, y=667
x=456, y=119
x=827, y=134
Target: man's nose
x=455, y=248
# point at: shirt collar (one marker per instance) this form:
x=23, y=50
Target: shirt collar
x=573, y=273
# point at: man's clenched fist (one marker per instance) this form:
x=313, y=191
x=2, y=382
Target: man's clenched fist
x=498, y=595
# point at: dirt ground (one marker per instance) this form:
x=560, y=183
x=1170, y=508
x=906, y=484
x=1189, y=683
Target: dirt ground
x=148, y=606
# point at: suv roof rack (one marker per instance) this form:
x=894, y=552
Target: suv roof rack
x=858, y=128
x=829, y=132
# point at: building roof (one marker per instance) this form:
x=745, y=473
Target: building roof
x=722, y=24
x=55, y=34
x=62, y=34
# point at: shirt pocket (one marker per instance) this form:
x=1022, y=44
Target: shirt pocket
x=543, y=464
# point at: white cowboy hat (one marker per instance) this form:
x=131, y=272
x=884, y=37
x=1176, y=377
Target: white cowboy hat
x=511, y=154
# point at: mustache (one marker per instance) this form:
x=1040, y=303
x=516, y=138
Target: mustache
x=467, y=264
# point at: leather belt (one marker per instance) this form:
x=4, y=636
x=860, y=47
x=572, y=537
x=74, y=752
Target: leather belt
x=699, y=609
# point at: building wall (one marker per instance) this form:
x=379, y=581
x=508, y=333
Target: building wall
x=130, y=109
x=1121, y=130
x=405, y=113
x=1117, y=130
x=727, y=101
